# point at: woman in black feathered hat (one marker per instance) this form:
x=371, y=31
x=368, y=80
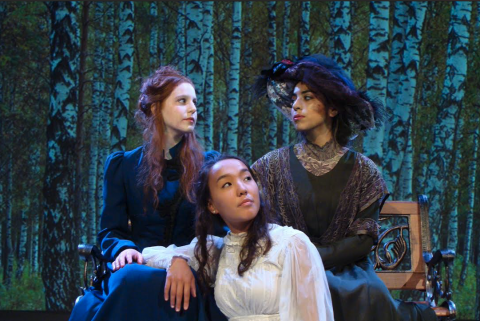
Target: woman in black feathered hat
x=327, y=190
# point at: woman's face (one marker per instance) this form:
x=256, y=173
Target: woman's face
x=309, y=114
x=234, y=194
x=179, y=111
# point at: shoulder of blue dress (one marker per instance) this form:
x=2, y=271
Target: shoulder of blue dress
x=115, y=158
x=134, y=156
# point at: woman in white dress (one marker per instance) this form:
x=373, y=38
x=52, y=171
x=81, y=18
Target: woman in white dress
x=259, y=271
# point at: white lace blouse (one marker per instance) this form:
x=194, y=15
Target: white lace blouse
x=288, y=283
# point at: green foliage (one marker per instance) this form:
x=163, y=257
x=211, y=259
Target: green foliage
x=24, y=294
x=464, y=297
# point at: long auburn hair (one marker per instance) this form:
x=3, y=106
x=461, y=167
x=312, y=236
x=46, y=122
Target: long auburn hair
x=256, y=243
x=154, y=91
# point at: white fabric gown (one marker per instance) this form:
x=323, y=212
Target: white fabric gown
x=288, y=283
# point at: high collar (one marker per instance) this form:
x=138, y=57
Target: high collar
x=323, y=153
x=235, y=238
x=175, y=150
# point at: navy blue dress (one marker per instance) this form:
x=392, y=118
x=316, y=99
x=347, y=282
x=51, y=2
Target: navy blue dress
x=135, y=292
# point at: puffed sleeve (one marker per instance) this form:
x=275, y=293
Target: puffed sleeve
x=161, y=257
x=305, y=295
x=114, y=235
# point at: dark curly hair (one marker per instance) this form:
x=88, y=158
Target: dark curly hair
x=257, y=242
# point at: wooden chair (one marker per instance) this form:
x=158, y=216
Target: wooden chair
x=404, y=259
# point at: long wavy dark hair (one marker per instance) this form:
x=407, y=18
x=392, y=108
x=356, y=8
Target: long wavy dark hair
x=256, y=243
x=154, y=91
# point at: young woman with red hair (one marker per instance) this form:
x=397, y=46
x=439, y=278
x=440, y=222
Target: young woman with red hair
x=148, y=202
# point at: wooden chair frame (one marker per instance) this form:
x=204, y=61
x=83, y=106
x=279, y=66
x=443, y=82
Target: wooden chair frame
x=425, y=273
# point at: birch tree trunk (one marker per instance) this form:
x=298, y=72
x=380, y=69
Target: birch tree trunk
x=209, y=74
x=286, y=54
x=377, y=67
x=452, y=196
x=196, y=61
x=221, y=134
x=304, y=29
x=342, y=35
x=180, y=37
x=8, y=255
x=442, y=153
x=286, y=28
x=234, y=79
x=124, y=75
x=153, y=48
x=331, y=19
x=272, y=52
x=35, y=231
x=22, y=243
x=246, y=137
x=2, y=146
x=472, y=170
x=430, y=94
x=105, y=117
x=79, y=214
x=162, y=37
x=60, y=258
x=35, y=209
x=98, y=94
x=395, y=70
x=399, y=165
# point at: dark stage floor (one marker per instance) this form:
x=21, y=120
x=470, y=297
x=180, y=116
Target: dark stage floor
x=33, y=316
x=46, y=316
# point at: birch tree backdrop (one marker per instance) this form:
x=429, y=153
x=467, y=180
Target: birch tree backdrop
x=70, y=78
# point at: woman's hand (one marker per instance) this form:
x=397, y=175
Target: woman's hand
x=180, y=282
x=127, y=257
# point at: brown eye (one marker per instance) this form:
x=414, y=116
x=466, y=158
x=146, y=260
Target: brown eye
x=226, y=185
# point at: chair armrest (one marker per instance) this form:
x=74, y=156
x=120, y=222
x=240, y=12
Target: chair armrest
x=99, y=270
x=437, y=287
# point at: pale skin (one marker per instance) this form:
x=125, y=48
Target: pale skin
x=180, y=116
x=311, y=116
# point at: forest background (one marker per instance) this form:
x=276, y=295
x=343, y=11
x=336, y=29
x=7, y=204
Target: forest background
x=69, y=84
